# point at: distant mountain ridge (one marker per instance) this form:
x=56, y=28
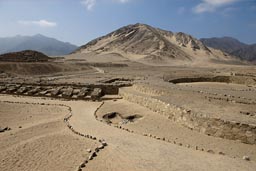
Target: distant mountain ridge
x=144, y=43
x=233, y=47
x=46, y=45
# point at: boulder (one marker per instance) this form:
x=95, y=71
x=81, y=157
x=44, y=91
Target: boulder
x=101, y=146
x=67, y=93
x=2, y=88
x=56, y=91
x=76, y=91
x=96, y=94
x=34, y=91
x=247, y=158
x=42, y=93
x=74, y=97
x=83, y=92
x=11, y=89
x=5, y=129
x=92, y=156
x=104, y=143
x=22, y=90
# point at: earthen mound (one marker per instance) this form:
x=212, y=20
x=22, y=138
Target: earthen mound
x=24, y=56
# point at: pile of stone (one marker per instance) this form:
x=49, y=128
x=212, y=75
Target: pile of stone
x=67, y=92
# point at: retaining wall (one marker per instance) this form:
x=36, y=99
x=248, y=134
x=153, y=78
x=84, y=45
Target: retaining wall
x=210, y=126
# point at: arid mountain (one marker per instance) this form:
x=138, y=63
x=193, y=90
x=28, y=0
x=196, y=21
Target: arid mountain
x=24, y=56
x=142, y=42
x=226, y=44
x=246, y=53
x=46, y=45
x=233, y=47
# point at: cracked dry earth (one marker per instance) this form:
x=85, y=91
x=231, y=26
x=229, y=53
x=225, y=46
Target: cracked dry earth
x=39, y=139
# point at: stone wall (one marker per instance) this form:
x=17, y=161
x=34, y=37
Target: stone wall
x=88, y=92
x=110, y=89
x=210, y=126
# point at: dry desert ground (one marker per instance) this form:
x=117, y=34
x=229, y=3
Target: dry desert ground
x=77, y=115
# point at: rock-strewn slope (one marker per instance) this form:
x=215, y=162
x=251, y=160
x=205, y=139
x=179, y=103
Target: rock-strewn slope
x=145, y=43
x=233, y=47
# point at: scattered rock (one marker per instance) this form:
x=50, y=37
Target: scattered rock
x=92, y=156
x=210, y=151
x=100, y=146
x=82, y=165
x=5, y=129
x=221, y=153
x=104, y=143
x=247, y=158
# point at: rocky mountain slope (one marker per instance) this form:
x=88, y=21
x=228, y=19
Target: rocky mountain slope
x=46, y=45
x=246, y=53
x=142, y=42
x=233, y=47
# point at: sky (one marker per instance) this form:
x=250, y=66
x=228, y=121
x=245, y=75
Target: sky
x=79, y=21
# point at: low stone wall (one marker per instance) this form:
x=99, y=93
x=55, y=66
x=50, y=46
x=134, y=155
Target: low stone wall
x=110, y=89
x=149, y=90
x=210, y=126
x=57, y=91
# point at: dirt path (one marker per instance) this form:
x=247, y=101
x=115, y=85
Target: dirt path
x=128, y=151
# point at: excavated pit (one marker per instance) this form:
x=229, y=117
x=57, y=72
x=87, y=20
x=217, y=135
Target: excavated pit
x=120, y=119
x=249, y=80
x=220, y=79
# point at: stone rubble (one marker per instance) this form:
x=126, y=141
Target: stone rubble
x=67, y=92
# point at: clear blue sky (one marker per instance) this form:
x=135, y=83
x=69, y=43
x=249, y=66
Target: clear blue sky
x=79, y=21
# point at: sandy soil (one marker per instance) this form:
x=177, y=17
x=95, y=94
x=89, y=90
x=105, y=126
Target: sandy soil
x=38, y=139
x=158, y=125
x=125, y=150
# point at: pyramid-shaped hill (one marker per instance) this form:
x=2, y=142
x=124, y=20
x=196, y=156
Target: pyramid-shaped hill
x=24, y=56
x=141, y=42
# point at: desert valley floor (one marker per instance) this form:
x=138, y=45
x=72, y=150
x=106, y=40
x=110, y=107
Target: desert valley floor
x=150, y=117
